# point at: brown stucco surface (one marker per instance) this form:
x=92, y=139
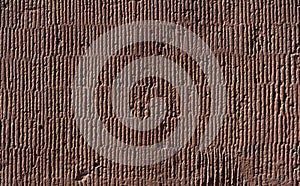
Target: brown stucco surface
x=256, y=43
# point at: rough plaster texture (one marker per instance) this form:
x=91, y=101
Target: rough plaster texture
x=257, y=45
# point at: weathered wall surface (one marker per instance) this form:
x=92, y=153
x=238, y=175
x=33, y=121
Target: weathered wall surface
x=256, y=43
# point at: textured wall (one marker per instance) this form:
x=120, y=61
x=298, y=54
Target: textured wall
x=256, y=43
